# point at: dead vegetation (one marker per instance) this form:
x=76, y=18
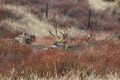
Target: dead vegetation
x=98, y=57
x=93, y=38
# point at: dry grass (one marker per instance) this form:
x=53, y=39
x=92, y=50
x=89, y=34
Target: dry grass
x=101, y=5
x=70, y=76
x=95, y=58
x=22, y=20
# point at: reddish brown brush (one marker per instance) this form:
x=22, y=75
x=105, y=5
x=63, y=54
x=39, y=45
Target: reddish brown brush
x=103, y=59
x=12, y=54
x=6, y=33
x=1, y=9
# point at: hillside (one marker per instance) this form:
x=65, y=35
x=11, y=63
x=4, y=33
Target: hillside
x=90, y=29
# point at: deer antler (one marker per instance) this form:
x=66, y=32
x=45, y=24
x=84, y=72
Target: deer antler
x=52, y=33
x=62, y=33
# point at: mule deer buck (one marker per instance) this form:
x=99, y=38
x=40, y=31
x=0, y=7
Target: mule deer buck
x=60, y=42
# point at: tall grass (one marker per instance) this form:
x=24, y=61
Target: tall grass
x=70, y=76
x=97, y=57
x=102, y=4
x=20, y=19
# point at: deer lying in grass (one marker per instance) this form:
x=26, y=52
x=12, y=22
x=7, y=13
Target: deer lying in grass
x=60, y=42
x=75, y=49
x=25, y=38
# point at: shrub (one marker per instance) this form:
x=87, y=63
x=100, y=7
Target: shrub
x=12, y=54
x=6, y=33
